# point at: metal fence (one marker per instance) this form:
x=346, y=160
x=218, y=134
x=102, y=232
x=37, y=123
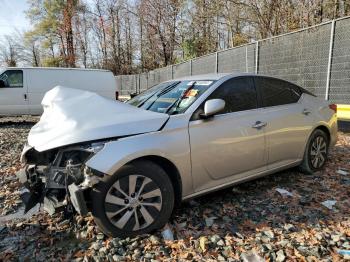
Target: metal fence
x=316, y=58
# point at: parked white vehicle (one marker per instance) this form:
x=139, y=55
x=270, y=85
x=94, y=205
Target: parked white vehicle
x=22, y=89
x=130, y=163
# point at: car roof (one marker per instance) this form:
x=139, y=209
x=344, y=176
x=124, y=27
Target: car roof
x=54, y=68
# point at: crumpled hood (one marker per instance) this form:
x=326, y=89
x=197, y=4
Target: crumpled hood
x=74, y=116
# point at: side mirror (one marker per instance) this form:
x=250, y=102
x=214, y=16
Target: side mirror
x=211, y=107
x=2, y=83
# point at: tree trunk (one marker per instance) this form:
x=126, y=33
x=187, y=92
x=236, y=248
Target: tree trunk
x=67, y=17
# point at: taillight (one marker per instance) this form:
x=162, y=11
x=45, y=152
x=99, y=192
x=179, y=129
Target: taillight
x=333, y=107
x=116, y=95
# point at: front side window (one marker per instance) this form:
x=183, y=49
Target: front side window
x=275, y=92
x=12, y=78
x=238, y=93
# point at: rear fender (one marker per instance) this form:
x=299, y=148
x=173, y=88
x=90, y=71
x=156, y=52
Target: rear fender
x=322, y=115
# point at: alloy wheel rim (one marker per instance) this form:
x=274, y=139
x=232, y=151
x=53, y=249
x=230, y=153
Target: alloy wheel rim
x=133, y=202
x=318, y=152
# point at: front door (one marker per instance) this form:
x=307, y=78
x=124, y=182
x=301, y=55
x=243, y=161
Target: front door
x=230, y=145
x=13, y=93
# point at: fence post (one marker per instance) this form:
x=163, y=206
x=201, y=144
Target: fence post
x=139, y=83
x=256, y=56
x=330, y=54
x=121, y=84
x=246, y=58
x=216, y=62
x=147, y=80
x=190, y=67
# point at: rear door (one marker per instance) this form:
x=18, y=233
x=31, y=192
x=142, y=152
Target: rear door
x=228, y=146
x=13, y=93
x=287, y=124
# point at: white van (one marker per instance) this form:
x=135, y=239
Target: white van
x=22, y=89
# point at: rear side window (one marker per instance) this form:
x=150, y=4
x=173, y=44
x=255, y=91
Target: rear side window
x=238, y=93
x=275, y=92
x=12, y=78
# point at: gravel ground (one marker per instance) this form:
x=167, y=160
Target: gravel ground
x=251, y=222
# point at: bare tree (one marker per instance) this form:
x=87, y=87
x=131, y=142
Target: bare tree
x=68, y=13
x=10, y=51
x=82, y=28
x=160, y=25
x=135, y=36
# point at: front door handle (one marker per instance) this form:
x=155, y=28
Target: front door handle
x=25, y=97
x=306, y=111
x=259, y=124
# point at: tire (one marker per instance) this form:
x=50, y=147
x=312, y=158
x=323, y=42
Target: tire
x=310, y=164
x=128, y=218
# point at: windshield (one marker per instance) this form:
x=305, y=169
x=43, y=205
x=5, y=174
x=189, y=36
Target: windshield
x=172, y=97
x=139, y=99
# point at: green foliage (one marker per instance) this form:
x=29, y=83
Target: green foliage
x=46, y=16
x=189, y=49
x=239, y=39
x=51, y=20
x=53, y=62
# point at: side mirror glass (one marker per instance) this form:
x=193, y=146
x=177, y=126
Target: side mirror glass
x=212, y=106
x=2, y=83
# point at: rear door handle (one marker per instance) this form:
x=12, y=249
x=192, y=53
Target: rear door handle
x=259, y=124
x=306, y=111
x=25, y=97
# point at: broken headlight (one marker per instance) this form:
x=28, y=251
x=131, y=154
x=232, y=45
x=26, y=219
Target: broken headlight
x=74, y=158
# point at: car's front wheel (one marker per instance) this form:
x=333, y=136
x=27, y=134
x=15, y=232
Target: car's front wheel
x=137, y=199
x=316, y=152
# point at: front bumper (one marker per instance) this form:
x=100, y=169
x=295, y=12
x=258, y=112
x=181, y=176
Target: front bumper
x=26, y=148
x=33, y=192
x=77, y=199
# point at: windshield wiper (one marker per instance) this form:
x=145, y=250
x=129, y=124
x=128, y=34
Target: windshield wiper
x=168, y=89
x=178, y=101
x=143, y=101
x=163, y=92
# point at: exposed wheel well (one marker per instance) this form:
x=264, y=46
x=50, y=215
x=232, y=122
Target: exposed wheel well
x=172, y=172
x=325, y=129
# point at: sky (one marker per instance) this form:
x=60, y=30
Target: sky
x=12, y=16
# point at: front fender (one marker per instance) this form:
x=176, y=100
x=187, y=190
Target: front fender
x=171, y=144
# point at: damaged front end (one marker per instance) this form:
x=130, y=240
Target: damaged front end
x=58, y=178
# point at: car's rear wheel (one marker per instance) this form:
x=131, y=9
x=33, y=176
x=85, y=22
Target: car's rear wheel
x=316, y=152
x=137, y=199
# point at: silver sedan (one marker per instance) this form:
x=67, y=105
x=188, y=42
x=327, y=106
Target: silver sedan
x=130, y=163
